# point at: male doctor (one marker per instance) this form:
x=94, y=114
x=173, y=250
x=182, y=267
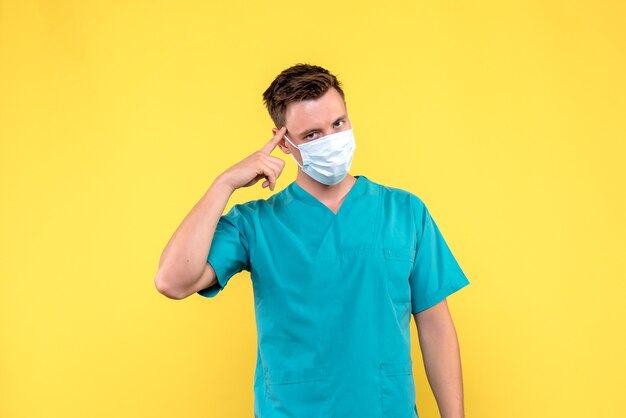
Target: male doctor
x=338, y=264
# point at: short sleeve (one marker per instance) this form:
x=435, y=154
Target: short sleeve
x=436, y=273
x=229, y=250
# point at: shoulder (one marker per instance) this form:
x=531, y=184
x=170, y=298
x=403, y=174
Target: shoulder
x=397, y=196
x=243, y=212
x=253, y=209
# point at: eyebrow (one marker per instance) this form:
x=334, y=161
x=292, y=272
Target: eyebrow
x=303, y=133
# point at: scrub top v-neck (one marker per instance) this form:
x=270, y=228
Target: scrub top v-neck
x=333, y=296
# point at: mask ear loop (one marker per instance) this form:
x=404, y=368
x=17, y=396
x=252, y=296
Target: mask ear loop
x=294, y=158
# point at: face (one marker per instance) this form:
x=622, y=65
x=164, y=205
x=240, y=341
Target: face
x=308, y=120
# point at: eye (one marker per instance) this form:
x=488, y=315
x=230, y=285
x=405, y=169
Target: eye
x=309, y=136
x=340, y=121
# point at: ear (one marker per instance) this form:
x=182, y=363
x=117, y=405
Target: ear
x=283, y=147
x=282, y=144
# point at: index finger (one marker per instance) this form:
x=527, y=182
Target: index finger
x=269, y=147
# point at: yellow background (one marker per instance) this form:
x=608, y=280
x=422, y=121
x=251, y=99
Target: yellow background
x=506, y=118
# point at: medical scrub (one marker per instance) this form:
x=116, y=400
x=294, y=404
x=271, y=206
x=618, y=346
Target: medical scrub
x=333, y=296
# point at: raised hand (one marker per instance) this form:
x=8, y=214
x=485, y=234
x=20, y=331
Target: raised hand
x=260, y=164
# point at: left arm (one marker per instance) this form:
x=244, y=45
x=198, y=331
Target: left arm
x=442, y=359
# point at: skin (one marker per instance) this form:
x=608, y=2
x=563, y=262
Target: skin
x=442, y=359
x=183, y=269
x=308, y=120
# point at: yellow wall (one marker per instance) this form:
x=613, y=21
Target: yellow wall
x=506, y=118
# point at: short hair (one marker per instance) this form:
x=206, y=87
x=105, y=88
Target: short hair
x=296, y=83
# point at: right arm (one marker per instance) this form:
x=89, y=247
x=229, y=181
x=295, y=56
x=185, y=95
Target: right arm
x=183, y=267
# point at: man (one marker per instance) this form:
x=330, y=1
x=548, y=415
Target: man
x=338, y=264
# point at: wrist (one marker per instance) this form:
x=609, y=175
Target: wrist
x=222, y=184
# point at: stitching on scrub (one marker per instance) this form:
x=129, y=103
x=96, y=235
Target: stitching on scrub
x=400, y=254
x=390, y=372
x=289, y=376
x=382, y=396
x=265, y=398
x=377, y=227
x=317, y=376
x=443, y=293
x=349, y=252
x=241, y=207
x=395, y=261
x=391, y=253
x=396, y=368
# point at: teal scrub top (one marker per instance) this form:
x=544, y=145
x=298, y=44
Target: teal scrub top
x=333, y=296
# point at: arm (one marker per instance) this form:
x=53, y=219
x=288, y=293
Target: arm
x=442, y=360
x=183, y=267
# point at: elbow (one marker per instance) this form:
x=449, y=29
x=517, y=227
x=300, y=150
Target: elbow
x=165, y=287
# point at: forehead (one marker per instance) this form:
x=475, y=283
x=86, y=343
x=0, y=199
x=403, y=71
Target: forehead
x=315, y=113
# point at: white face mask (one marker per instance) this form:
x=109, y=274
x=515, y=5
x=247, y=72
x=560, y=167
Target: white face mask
x=327, y=159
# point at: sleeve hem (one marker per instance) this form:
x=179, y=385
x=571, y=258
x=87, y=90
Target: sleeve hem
x=441, y=295
x=222, y=279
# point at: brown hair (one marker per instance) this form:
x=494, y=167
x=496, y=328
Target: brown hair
x=299, y=82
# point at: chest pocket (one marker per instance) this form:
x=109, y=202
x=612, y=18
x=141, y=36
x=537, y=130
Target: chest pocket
x=398, y=267
x=297, y=393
